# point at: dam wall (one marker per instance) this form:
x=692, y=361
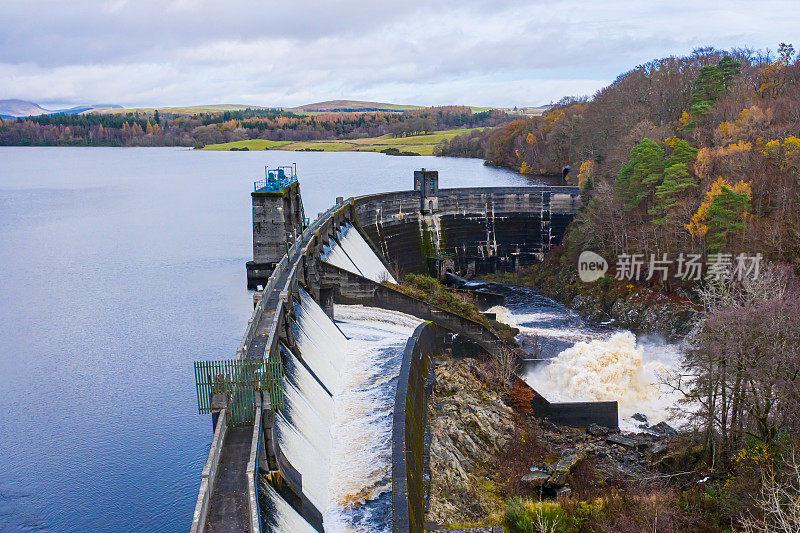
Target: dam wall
x=267, y=470
x=467, y=231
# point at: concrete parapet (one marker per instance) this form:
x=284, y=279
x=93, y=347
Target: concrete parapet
x=349, y=288
x=408, y=431
x=209, y=475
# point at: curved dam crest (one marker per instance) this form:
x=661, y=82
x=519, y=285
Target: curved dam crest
x=313, y=389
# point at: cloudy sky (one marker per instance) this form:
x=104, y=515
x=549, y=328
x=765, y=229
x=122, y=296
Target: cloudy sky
x=498, y=53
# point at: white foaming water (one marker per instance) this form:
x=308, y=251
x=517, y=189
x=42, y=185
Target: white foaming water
x=313, y=467
x=301, y=379
x=355, y=255
x=522, y=322
x=341, y=442
x=335, y=255
x=280, y=516
x=617, y=368
x=306, y=420
x=362, y=430
x=321, y=343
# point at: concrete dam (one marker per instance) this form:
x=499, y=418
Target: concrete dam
x=303, y=385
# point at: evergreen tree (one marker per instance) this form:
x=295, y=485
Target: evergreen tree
x=710, y=83
x=676, y=180
x=641, y=174
x=725, y=216
x=730, y=68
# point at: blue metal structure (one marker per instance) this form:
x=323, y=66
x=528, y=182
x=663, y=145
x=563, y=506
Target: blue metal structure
x=277, y=179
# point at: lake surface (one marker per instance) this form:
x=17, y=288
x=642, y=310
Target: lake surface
x=121, y=266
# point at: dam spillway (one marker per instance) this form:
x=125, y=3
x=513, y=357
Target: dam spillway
x=308, y=392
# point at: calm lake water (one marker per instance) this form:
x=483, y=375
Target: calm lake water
x=121, y=266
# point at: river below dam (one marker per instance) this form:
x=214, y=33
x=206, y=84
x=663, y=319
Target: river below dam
x=575, y=359
x=121, y=266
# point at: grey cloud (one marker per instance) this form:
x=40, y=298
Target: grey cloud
x=143, y=52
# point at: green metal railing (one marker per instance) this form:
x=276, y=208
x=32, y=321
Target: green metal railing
x=239, y=380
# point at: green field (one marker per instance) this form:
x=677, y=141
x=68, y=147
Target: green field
x=255, y=144
x=419, y=144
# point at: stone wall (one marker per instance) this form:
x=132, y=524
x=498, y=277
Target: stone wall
x=473, y=230
x=408, y=431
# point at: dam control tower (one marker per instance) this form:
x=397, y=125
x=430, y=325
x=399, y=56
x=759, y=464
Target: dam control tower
x=278, y=220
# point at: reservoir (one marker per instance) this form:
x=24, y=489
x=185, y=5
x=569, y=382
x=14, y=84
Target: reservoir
x=121, y=266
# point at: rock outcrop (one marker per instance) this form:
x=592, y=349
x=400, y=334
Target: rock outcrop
x=471, y=431
x=470, y=425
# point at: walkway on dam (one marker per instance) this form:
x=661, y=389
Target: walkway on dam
x=229, y=509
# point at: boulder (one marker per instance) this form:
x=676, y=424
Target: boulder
x=621, y=440
x=597, y=431
x=561, y=468
x=537, y=478
x=564, y=492
x=662, y=429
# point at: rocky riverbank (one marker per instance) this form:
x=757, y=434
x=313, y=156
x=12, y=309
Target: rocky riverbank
x=483, y=452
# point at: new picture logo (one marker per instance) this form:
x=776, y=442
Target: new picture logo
x=591, y=266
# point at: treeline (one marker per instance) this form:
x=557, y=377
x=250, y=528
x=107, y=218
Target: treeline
x=168, y=129
x=692, y=154
x=690, y=158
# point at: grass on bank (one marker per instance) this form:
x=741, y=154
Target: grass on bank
x=416, y=144
x=459, y=303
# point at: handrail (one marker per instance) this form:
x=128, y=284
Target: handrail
x=209, y=475
x=254, y=513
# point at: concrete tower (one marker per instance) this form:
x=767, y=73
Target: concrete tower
x=278, y=220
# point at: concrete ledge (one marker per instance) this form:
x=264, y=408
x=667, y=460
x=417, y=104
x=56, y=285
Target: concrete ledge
x=408, y=430
x=209, y=475
x=351, y=288
x=252, y=471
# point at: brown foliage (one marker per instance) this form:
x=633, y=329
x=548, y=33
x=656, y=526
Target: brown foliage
x=521, y=397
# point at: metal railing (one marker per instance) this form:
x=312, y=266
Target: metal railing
x=276, y=179
x=240, y=380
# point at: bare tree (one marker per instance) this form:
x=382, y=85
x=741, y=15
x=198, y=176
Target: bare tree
x=745, y=364
x=778, y=503
x=504, y=362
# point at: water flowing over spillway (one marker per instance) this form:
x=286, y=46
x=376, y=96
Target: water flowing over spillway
x=362, y=432
x=336, y=424
x=586, y=361
x=355, y=255
x=277, y=515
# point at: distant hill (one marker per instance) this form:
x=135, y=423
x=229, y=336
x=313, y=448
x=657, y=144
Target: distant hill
x=180, y=110
x=20, y=108
x=23, y=108
x=343, y=106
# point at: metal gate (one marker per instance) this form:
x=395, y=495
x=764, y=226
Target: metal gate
x=240, y=380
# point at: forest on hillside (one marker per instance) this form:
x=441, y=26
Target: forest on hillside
x=197, y=130
x=680, y=160
x=696, y=154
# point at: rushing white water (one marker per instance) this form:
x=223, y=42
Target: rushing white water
x=617, y=368
x=355, y=255
x=361, y=459
x=320, y=342
x=296, y=375
x=591, y=362
x=540, y=323
x=279, y=516
x=304, y=457
x=335, y=428
x=335, y=255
